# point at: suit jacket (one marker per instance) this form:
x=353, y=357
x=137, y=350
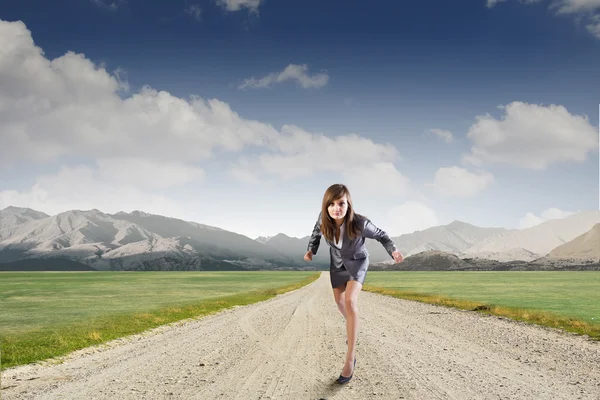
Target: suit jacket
x=354, y=252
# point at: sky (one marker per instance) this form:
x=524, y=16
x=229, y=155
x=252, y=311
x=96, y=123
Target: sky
x=240, y=113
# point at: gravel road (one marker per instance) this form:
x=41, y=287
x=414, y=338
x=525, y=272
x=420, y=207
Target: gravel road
x=293, y=346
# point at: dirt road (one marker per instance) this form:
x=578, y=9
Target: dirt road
x=292, y=347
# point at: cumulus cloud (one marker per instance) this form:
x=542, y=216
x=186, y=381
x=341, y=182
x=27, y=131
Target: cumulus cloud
x=291, y=72
x=54, y=109
x=531, y=136
x=297, y=153
x=456, y=181
x=531, y=219
x=409, y=217
x=68, y=105
x=445, y=135
x=236, y=5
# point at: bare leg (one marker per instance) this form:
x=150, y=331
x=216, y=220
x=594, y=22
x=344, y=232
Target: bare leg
x=353, y=288
x=340, y=299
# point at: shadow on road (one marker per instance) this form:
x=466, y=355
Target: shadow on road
x=328, y=391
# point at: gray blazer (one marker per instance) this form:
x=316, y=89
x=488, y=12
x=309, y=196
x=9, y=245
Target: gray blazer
x=354, y=252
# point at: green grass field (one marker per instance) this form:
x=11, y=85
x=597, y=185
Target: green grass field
x=46, y=314
x=564, y=299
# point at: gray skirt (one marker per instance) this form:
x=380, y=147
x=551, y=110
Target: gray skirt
x=341, y=276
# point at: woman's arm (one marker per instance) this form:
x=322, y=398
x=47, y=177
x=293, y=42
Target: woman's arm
x=372, y=232
x=315, y=237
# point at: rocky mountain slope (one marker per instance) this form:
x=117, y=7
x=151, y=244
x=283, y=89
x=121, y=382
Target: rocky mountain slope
x=583, y=247
x=142, y=241
x=435, y=260
x=453, y=238
x=133, y=240
x=539, y=239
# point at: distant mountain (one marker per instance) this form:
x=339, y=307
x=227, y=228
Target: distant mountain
x=283, y=243
x=429, y=260
x=289, y=245
x=73, y=233
x=454, y=238
x=263, y=239
x=212, y=239
x=434, y=260
x=135, y=240
x=514, y=254
x=142, y=241
x=12, y=217
x=583, y=247
x=539, y=239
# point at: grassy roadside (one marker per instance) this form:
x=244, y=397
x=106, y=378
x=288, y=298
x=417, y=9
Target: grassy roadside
x=40, y=344
x=543, y=318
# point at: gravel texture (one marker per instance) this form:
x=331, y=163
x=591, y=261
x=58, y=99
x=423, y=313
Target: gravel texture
x=293, y=347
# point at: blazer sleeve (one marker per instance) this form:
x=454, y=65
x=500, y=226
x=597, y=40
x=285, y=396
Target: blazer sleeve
x=315, y=237
x=372, y=232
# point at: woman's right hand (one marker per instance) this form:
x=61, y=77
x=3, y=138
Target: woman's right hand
x=308, y=256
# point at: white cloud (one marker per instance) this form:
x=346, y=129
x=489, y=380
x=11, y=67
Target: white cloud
x=297, y=153
x=531, y=219
x=575, y=6
x=68, y=105
x=446, y=135
x=52, y=110
x=83, y=188
x=492, y=3
x=409, y=217
x=594, y=26
x=585, y=8
x=291, y=72
x=456, y=181
x=236, y=5
x=145, y=174
x=122, y=81
x=531, y=136
x=381, y=178
x=194, y=10
x=244, y=175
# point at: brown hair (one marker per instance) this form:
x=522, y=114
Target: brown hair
x=328, y=226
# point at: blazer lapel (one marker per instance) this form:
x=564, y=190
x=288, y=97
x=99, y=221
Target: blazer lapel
x=346, y=242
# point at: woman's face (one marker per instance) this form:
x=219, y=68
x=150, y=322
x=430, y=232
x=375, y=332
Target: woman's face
x=338, y=208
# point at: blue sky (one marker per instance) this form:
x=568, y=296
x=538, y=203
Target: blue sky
x=240, y=113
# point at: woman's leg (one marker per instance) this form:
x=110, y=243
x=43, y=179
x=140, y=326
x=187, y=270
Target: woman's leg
x=340, y=299
x=351, y=305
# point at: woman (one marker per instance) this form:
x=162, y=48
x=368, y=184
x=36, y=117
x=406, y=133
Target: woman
x=345, y=232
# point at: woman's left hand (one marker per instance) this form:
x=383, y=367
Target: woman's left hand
x=398, y=257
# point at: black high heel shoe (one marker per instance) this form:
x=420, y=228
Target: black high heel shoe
x=345, y=379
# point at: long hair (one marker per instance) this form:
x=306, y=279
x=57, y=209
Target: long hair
x=328, y=225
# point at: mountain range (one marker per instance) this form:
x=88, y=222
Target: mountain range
x=140, y=241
